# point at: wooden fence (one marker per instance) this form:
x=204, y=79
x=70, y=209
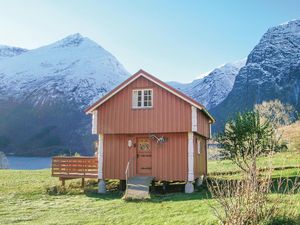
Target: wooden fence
x=75, y=167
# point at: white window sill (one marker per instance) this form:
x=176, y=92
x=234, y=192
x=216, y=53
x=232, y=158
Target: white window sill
x=143, y=107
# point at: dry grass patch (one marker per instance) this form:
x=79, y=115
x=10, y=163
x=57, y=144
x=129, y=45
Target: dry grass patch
x=291, y=134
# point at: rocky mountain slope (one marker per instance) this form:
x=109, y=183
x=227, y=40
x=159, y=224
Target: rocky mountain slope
x=43, y=93
x=212, y=89
x=272, y=71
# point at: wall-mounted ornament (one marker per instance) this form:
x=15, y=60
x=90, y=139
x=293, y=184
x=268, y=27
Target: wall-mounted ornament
x=159, y=140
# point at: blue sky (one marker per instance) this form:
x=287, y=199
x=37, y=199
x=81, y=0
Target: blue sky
x=172, y=39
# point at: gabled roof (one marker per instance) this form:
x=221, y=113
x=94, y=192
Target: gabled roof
x=142, y=73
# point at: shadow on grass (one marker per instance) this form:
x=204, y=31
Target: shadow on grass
x=179, y=196
x=110, y=195
x=173, y=193
x=286, y=185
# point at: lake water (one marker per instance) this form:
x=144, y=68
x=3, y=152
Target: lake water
x=28, y=163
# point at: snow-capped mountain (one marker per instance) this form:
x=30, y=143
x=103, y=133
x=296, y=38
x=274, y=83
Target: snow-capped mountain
x=8, y=51
x=214, y=87
x=272, y=71
x=75, y=68
x=43, y=93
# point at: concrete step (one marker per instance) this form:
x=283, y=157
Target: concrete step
x=138, y=188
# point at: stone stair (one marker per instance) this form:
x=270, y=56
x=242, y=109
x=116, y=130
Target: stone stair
x=138, y=188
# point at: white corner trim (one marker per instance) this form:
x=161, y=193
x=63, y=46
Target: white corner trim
x=194, y=118
x=190, y=156
x=100, y=157
x=210, y=131
x=94, y=121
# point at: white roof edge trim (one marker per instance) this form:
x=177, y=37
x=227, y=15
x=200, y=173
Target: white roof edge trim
x=175, y=93
x=149, y=78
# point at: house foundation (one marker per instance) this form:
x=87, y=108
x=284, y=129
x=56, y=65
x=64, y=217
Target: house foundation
x=189, y=187
x=102, y=187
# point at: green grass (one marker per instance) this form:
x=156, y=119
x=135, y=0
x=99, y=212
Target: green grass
x=282, y=159
x=276, y=174
x=23, y=200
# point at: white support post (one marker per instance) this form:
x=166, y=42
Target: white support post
x=194, y=118
x=210, y=131
x=190, y=156
x=189, y=187
x=94, y=121
x=100, y=157
x=101, y=185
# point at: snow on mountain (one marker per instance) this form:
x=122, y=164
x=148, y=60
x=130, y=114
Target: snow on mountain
x=43, y=93
x=214, y=87
x=272, y=72
x=75, y=68
x=9, y=51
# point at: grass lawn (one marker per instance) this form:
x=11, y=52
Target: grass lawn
x=24, y=199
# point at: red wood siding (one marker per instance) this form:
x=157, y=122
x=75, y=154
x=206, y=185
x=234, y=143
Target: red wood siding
x=202, y=124
x=169, y=112
x=116, y=154
x=169, y=160
x=200, y=160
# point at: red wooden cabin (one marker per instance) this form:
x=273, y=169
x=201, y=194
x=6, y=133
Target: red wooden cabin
x=147, y=128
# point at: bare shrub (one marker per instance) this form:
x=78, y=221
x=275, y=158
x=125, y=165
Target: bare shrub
x=276, y=112
x=243, y=202
x=215, y=153
x=256, y=198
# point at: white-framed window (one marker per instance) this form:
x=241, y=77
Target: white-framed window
x=198, y=146
x=142, y=98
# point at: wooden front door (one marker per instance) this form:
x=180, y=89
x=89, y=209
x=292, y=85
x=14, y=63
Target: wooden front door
x=144, y=157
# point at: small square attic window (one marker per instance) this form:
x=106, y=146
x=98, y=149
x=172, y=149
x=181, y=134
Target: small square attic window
x=142, y=98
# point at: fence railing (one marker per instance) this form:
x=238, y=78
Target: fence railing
x=75, y=167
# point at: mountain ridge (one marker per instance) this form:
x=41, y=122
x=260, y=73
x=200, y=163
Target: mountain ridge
x=59, y=62
x=214, y=87
x=10, y=51
x=272, y=71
